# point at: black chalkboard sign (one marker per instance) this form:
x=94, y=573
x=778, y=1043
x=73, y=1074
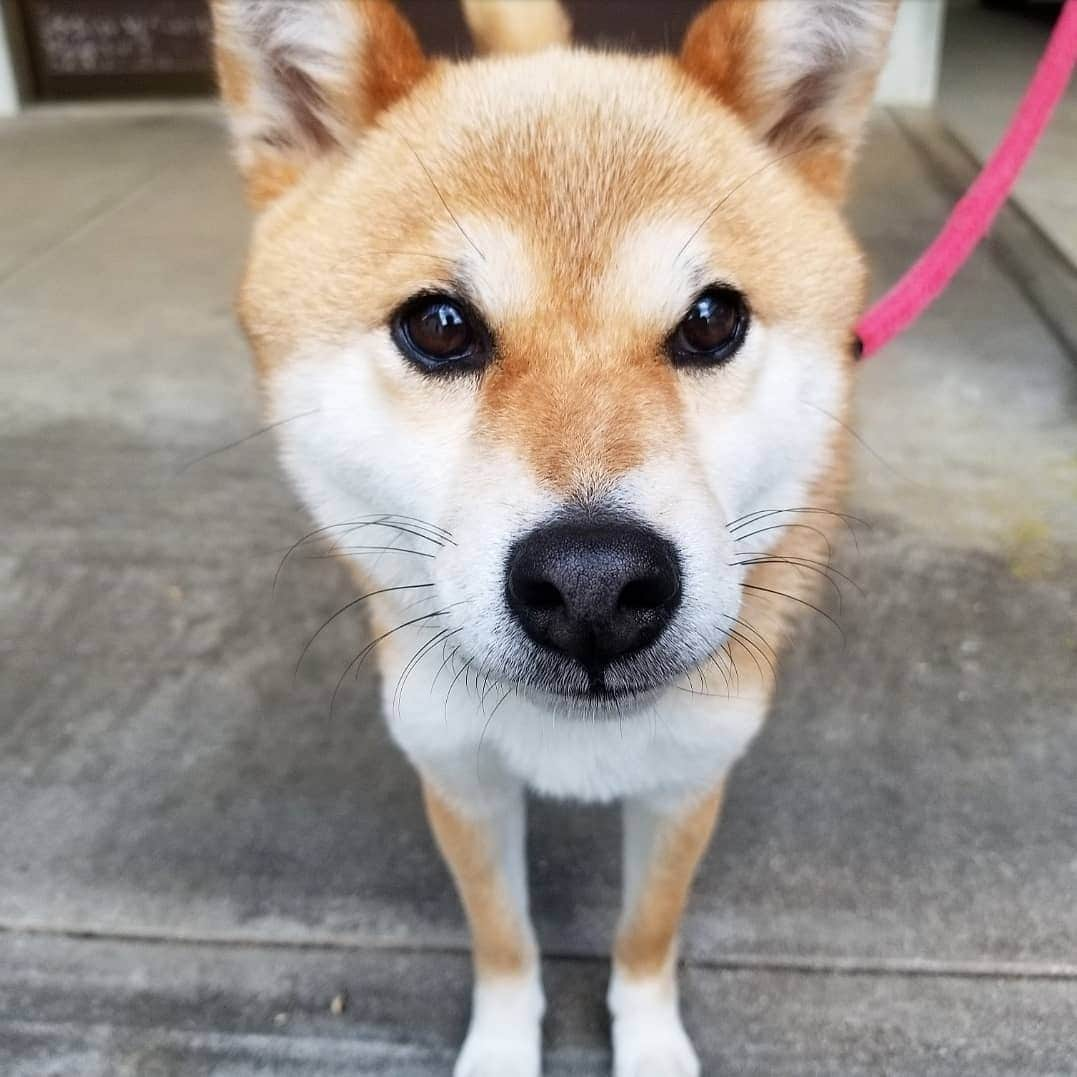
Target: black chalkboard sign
x=92, y=47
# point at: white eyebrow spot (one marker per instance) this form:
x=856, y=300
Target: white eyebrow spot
x=498, y=264
x=656, y=270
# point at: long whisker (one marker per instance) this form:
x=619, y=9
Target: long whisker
x=347, y=527
x=736, y=187
x=860, y=440
x=733, y=667
x=436, y=536
x=441, y=198
x=804, y=567
x=340, y=551
x=753, y=649
x=802, y=602
x=357, y=662
x=444, y=665
x=462, y=671
x=754, y=517
x=756, y=633
x=351, y=605
x=415, y=659
x=243, y=440
x=414, y=254
x=780, y=527
x=803, y=562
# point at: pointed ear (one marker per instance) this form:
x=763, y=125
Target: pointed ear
x=300, y=78
x=800, y=73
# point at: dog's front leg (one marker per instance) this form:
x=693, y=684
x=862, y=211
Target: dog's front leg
x=664, y=838
x=480, y=829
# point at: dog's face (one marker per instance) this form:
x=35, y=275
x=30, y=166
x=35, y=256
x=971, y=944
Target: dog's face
x=583, y=314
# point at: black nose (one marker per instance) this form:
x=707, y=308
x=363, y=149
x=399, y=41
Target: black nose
x=593, y=590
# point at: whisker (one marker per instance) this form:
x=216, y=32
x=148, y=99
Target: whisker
x=754, y=517
x=486, y=724
x=802, y=602
x=441, y=669
x=340, y=551
x=756, y=633
x=452, y=684
x=351, y=605
x=388, y=520
x=753, y=649
x=413, y=254
x=855, y=434
x=804, y=567
x=414, y=661
x=804, y=562
x=357, y=662
x=243, y=440
x=733, y=667
x=442, y=531
x=349, y=527
x=780, y=527
x=441, y=197
x=736, y=187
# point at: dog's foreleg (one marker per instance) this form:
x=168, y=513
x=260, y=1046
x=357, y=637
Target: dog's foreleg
x=480, y=831
x=664, y=839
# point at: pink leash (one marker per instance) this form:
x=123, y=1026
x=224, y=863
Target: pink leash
x=974, y=213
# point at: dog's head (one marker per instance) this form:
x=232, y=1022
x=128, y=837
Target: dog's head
x=575, y=315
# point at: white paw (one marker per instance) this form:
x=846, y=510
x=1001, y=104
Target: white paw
x=505, y=1038
x=486, y=1054
x=648, y=1037
x=653, y=1046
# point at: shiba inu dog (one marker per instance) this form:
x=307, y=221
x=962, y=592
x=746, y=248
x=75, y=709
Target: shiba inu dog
x=559, y=343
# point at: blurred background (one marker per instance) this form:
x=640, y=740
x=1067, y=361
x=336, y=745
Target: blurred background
x=203, y=871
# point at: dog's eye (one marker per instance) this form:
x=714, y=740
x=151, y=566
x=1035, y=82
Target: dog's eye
x=439, y=333
x=712, y=330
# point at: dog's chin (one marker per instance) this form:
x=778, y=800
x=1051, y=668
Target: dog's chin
x=592, y=702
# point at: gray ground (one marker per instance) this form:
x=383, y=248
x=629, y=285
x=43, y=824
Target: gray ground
x=195, y=858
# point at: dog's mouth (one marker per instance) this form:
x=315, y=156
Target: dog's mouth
x=624, y=686
x=618, y=691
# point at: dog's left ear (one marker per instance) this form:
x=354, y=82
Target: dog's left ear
x=301, y=78
x=799, y=73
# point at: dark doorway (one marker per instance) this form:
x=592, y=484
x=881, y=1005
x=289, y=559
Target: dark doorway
x=134, y=48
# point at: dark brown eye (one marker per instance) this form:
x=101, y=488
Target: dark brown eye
x=712, y=330
x=439, y=333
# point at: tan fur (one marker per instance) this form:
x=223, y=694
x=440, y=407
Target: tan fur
x=354, y=268
x=499, y=943
x=647, y=937
x=581, y=387
x=233, y=77
x=517, y=25
x=719, y=51
x=387, y=62
x=727, y=49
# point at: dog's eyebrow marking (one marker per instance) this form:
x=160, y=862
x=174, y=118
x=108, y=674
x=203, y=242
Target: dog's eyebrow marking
x=652, y=272
x=504, y=284
x=437, y=190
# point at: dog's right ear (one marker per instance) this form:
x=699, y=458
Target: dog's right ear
x=799, y=73
x=301, y=78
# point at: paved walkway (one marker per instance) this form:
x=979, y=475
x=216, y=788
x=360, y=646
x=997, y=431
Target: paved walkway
x=195, y=859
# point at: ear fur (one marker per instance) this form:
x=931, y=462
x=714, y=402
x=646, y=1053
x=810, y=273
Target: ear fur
x=800, y=73
x=302, y=77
